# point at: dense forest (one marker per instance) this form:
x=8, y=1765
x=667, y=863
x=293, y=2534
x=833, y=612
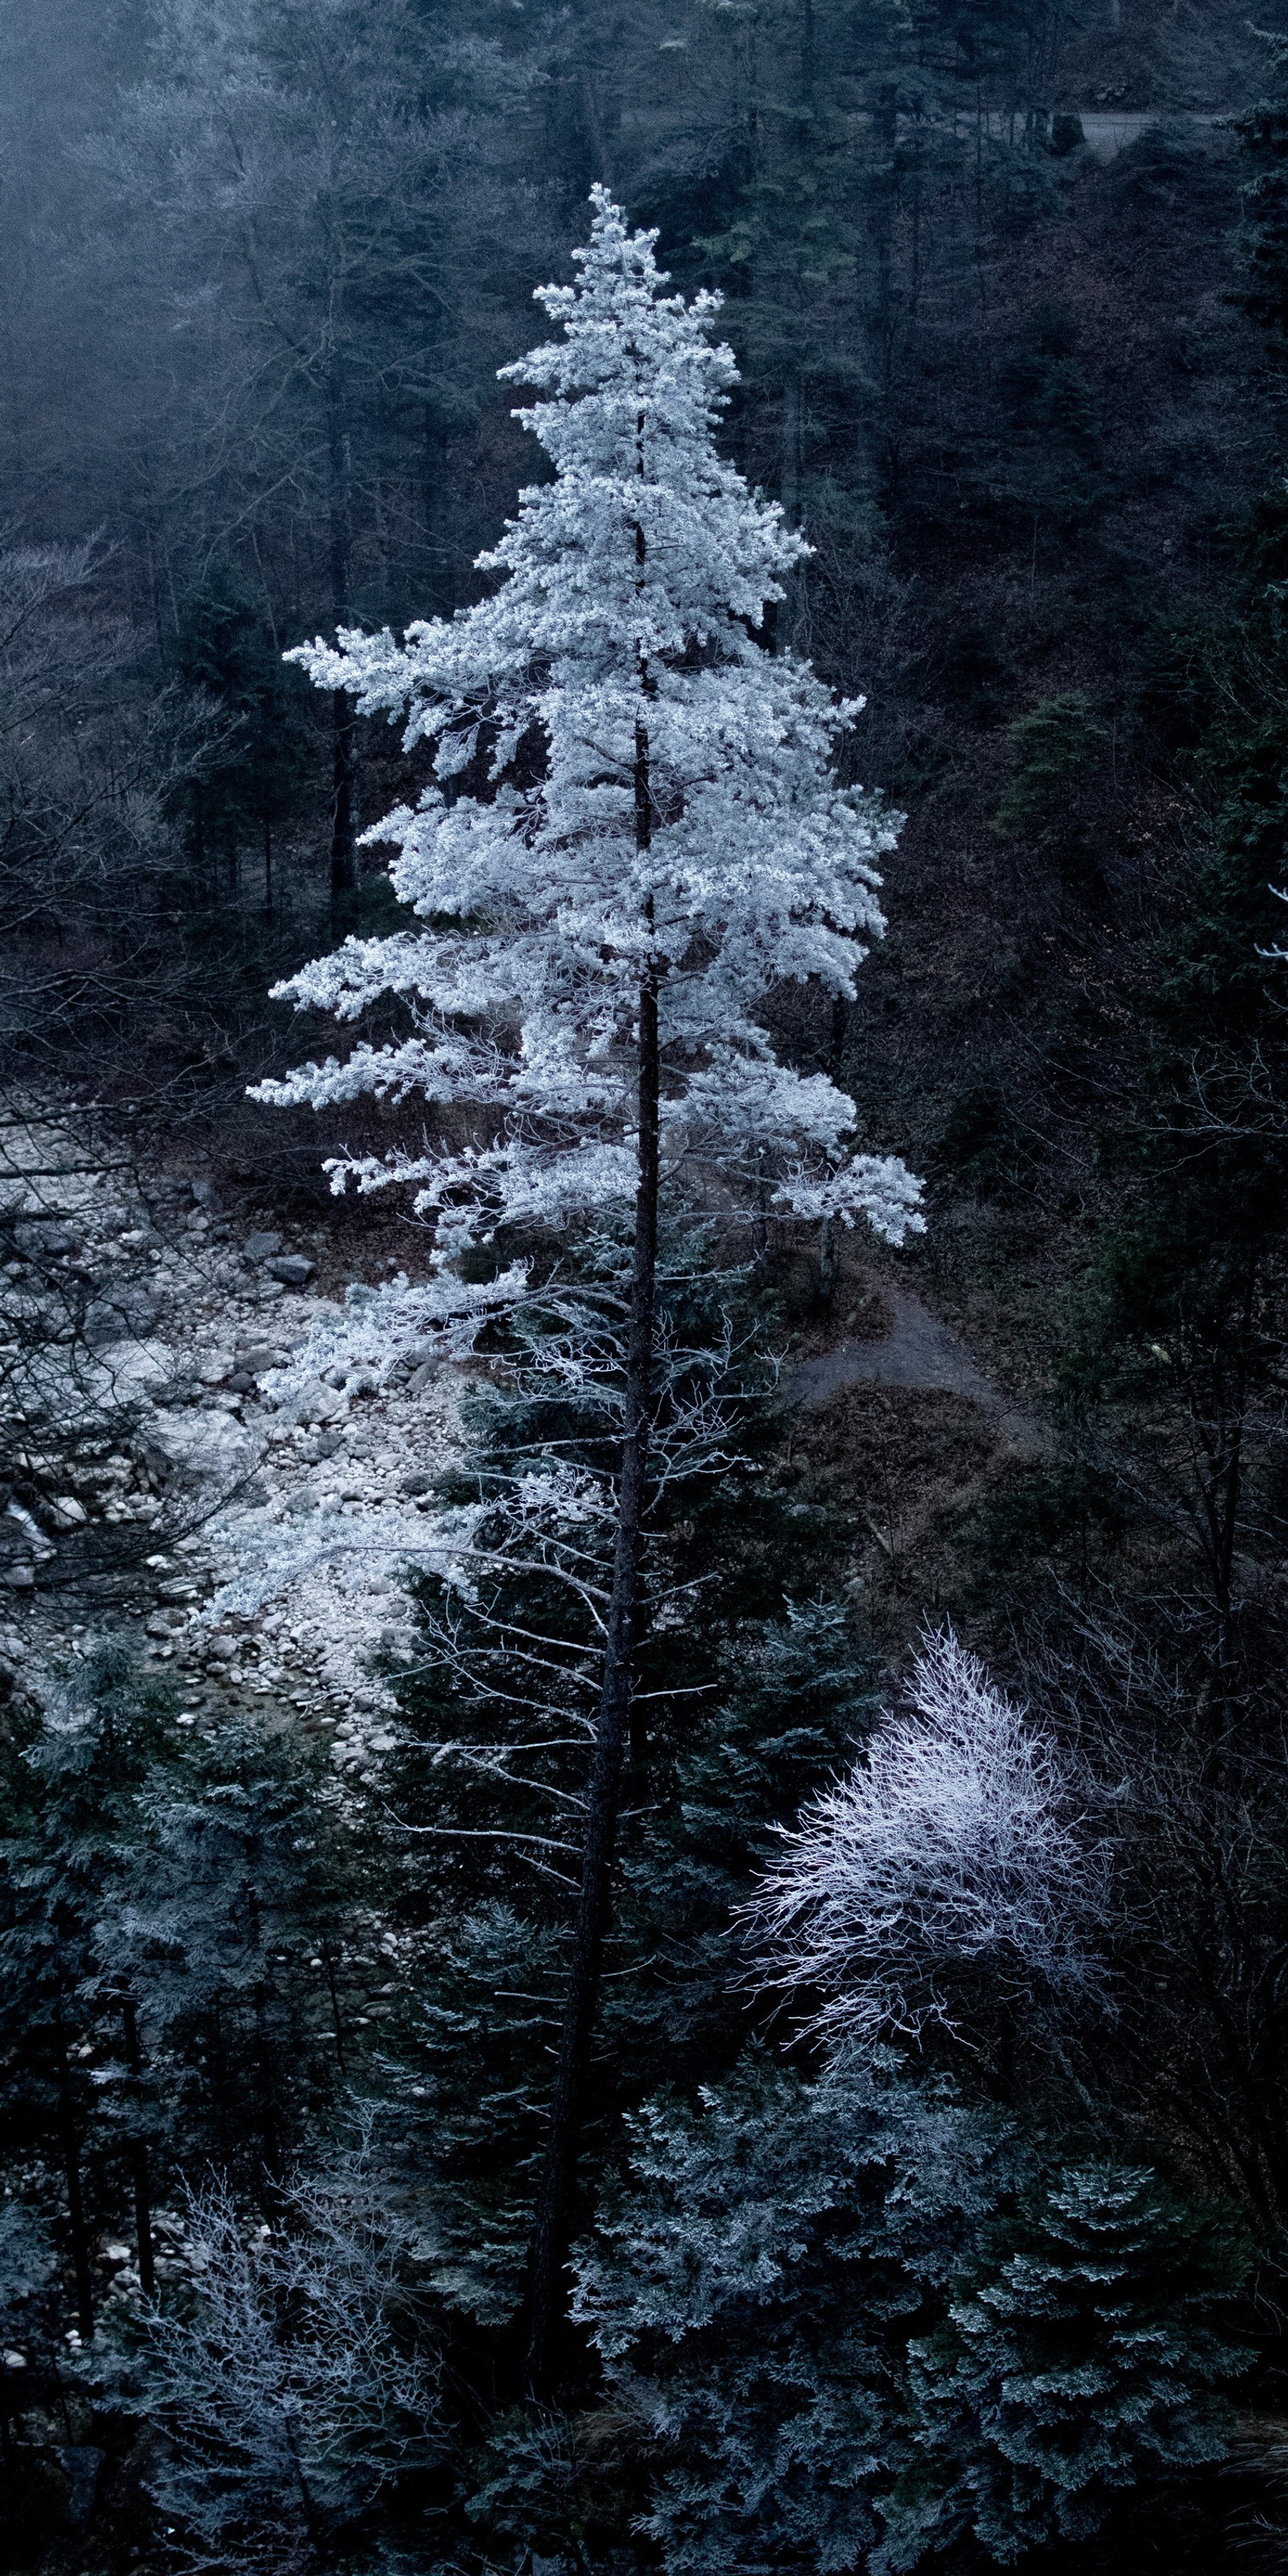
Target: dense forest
x=643, y=1287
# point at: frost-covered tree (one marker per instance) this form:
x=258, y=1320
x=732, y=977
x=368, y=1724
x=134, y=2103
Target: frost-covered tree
x=290, y=2381
x=952, y=1850
x=633, y=835
x=68, y=2026
x=1085, y=2363
x=232, y=1895
x=863, y=2323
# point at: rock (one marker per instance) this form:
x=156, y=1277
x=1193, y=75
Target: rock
x=204, y=1448
x=45, y=1242
x=133, y=1370
x=30, y=1529
x=128, y=1313
x=417, y=1484
x=294, y=1269
x=163, y=1623
x=313, y=1402
x=214, y=1367
x=261, y=1247
x=19, y=1578
x=423, y=1376
x=67, y=1512
x=204, y=1194
x=255, y=1357
x=328, y=1442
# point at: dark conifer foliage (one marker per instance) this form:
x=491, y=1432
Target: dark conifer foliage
x=932, y=2272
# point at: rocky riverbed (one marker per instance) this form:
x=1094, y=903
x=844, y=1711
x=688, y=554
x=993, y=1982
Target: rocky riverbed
x=155, y=1452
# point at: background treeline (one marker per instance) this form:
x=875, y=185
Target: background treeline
x=261, y=262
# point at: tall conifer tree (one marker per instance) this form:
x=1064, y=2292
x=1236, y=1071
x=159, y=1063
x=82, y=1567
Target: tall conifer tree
x=633, y=835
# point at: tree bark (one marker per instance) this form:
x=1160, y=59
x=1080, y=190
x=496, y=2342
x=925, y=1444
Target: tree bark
x=139, y=2154
x=552, y=2227
x=344, y=855
x=344, y=736
x=75, y=2196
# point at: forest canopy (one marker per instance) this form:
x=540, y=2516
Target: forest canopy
x=643, y=1273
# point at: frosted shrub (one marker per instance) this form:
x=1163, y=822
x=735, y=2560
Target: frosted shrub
x=953, y=1846
x=287, y=2384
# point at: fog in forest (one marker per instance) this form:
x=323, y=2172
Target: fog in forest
x=643, y=1287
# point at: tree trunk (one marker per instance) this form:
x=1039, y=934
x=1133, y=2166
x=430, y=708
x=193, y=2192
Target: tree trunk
x=329, y=1964
x=553, y=2223
x=344, y=852
x=139, y=2154
x=75, y=2197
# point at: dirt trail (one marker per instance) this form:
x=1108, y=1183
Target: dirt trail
x=919, y=1352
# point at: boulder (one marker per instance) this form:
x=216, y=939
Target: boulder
x=134, y=1372
x=294, y=1269
x=312, y=1402
x=128, y=1313
x=203, y=1448
x=45, y=1242
x=261, y=1247
x=256, y=1357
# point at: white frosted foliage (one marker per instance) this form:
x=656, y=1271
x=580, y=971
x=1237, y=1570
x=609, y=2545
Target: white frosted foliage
x=628, y=789
x=954, y=1846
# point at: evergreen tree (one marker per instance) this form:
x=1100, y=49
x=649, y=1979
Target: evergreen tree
x=253, y=777
x=226, y=1918
x=1079, y=2369
x=643, y=838
x=863, y=2325
x=752, y=2291
x=70, y=2015
x=742, y=1703
x=309, y=177
x=1265, y=135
